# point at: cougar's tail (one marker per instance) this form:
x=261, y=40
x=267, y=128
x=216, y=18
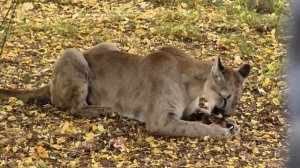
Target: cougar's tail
x=41, y=94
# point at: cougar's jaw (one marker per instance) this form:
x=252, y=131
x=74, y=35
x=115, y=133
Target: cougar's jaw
x=219, y=113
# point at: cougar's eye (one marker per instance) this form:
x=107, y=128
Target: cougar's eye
x=228, y=97
x=220, y=95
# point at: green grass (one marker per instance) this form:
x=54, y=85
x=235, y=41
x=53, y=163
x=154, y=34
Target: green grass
x=177, y=24
x=276, y=68
x=65, y=28
x=261, y=22
x=187, y=3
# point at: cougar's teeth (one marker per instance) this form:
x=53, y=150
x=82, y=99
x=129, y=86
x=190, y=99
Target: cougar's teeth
x=219, y=116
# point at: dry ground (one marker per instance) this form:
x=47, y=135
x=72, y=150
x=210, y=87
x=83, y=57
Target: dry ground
x=43, y=136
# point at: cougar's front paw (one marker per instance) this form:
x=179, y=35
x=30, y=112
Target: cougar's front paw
x=233, y=127
x=234, y=130
x=220, y=132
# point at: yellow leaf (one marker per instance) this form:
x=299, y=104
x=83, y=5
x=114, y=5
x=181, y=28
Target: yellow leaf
x=75, y=15
x=126, y=6
x=266, y=136
x=55, y=146
x=152, y=30
x=150, y=140
x=94, y=127
x=268, y=51
x=139, y=31
x=205, y=104
x=254, y=122
x=247, y=114
x=261, y=40
x=266, y=82
x=259, y=57
x=184, y=5
x=273, y=31
x=89, y=136
x=28, y=160
x=156, y=151
x=261, y=166
x=206, y=150
x=42, y=152
x=40, y=149
x=15, y=149
x=133, y=51
x=237, y=60
x=12, y=100
x=243, y=98
x=255, y=150
x=72, y=163
x=19, y=103
x=101, y=128
x=60, y=140
x=205, y=138
x=77, y=143
x=196, y=13
x=33, y=112
x=216, y=148
x=95, y=165
x=27, y=6
x=276, y=101
x=8, y=108
x=12, y=118
x=261, y=90
x=65, y=127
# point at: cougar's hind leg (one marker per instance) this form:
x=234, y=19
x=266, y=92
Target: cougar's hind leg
x=69, y=69
x=70, y=85
x=79, y=105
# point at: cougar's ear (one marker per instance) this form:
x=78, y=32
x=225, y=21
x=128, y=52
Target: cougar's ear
x=217, y=70
x=244, y=70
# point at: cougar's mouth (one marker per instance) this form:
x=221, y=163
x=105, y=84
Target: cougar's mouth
x=220, y=113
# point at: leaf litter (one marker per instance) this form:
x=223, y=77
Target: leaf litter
x=43, y=136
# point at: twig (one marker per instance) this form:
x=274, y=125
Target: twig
x=9, y=23
x=63, y=149
x=4, y=18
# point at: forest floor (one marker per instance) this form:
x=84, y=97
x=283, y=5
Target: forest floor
x=43, y=136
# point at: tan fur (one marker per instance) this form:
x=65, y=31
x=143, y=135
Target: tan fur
x=159, y=89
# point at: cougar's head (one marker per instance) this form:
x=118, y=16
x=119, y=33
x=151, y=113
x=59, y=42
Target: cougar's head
x=224, y=87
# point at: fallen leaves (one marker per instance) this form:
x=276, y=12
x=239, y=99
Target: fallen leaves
x=65, y=127
x=11, y=118
x=43, y=136
x=266, y=82
x=42, y=152
x=89, y=136
x=117, y=143
x=275, y=101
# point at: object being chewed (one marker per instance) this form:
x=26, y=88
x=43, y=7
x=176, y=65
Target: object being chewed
x=213, y=118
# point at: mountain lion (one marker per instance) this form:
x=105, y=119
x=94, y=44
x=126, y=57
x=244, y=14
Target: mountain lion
x=160, y=89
